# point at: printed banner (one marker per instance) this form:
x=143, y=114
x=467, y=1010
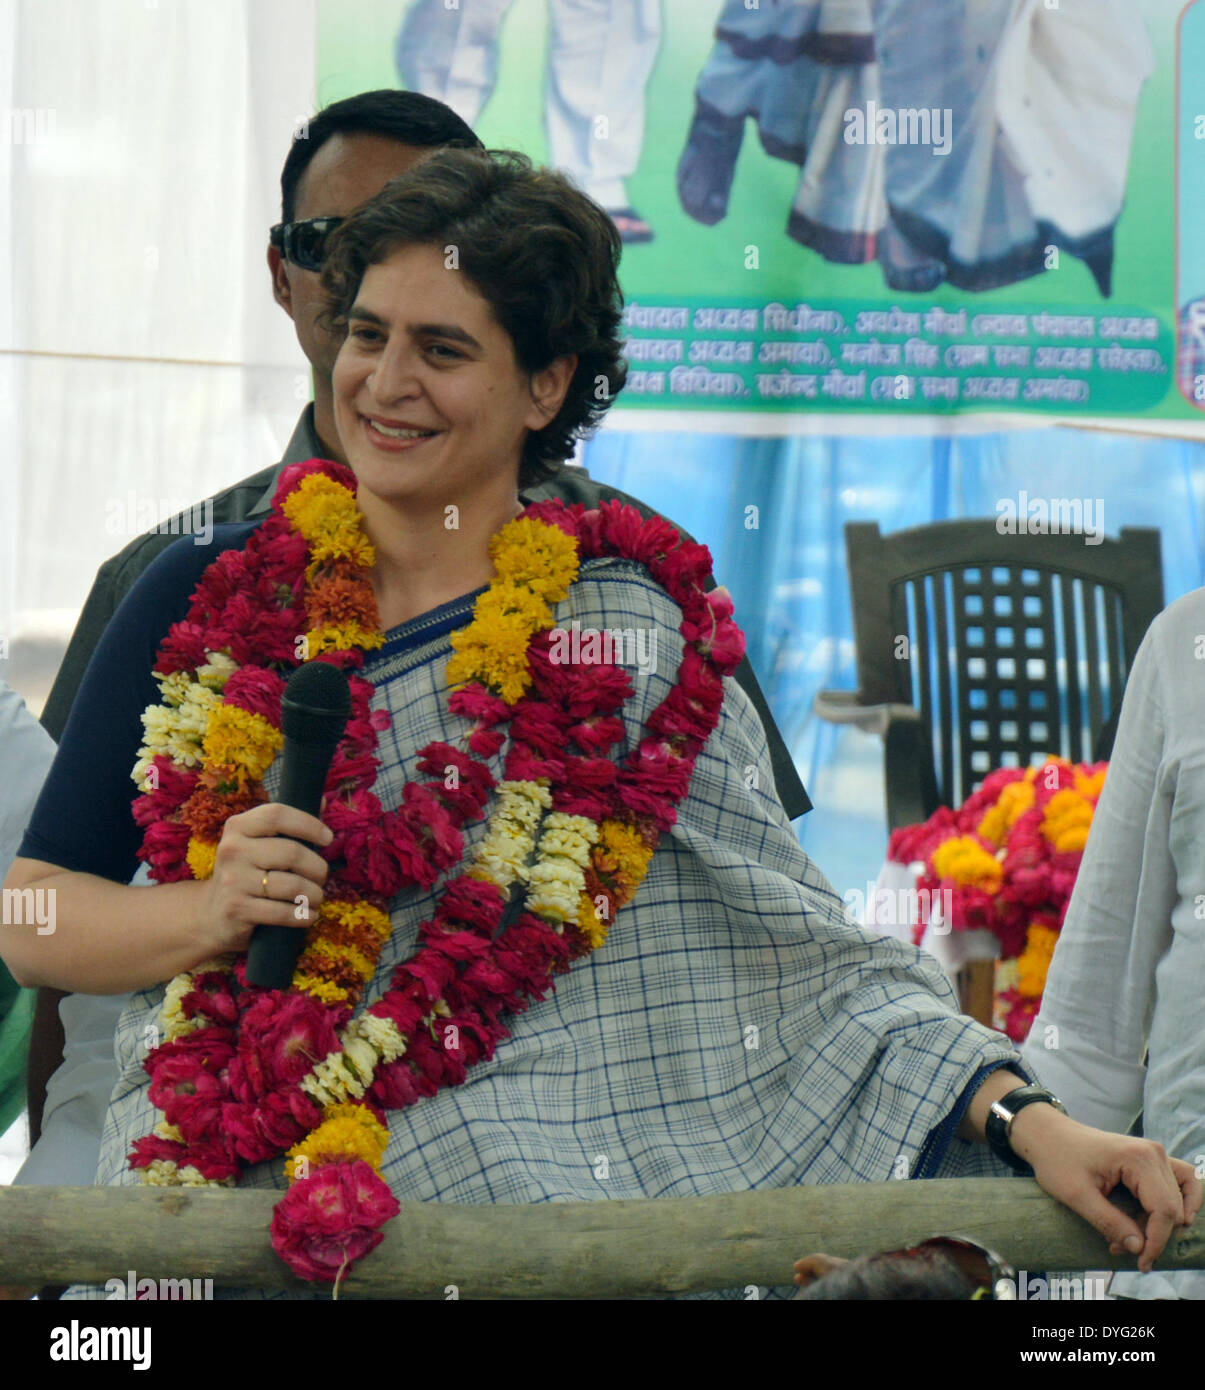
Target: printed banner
x=854, y=205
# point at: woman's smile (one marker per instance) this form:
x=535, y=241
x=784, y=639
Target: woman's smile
x=395, y=437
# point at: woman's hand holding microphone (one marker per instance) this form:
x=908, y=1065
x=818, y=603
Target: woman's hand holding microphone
x=262, y=875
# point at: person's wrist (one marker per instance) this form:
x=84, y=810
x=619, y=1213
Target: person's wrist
x=1001, y=1119
x=1034, y=1127
x=997, y=1085
x=199, y=936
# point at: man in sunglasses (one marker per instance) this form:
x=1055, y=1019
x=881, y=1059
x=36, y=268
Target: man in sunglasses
x=341, y=159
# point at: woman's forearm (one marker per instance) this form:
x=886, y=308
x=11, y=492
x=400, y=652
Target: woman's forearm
x=1035, y=1128
x=996, y=1087
x=79, y=932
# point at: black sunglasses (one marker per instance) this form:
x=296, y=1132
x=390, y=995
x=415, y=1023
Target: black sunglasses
x=304, y=243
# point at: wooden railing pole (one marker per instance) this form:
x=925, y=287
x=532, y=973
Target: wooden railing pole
x=599, y=1249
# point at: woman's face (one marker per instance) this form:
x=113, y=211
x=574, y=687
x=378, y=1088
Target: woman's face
x=424, y=353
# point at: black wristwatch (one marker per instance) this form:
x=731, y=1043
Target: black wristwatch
x=998, y=1128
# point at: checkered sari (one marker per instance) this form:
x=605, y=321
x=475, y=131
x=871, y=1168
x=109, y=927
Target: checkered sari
x=735, y=1031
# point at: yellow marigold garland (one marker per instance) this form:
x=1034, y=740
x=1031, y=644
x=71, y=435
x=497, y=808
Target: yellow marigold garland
x=326, y=514
x=1034, y=960
x=235, y=738
x=965, y=862
x=1067, y=819
x=201, y=858
x=1015, y=800
x=346, y=1132
x=535, y=564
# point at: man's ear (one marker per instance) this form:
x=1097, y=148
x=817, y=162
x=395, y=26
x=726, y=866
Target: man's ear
x=282, y=291
x=549, y=388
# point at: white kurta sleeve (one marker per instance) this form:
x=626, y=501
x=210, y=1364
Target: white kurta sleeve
x=1089, y=1040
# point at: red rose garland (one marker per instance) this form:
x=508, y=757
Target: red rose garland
x=239, y=1083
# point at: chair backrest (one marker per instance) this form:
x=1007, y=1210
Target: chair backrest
x=1008, y=645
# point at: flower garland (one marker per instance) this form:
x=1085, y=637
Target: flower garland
x=1008, y=860
x=242, y=1074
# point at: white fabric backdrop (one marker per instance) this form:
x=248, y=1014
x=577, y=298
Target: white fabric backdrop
x=141, y=345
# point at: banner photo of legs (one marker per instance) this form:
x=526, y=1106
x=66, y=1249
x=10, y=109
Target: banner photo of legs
x=836, y=207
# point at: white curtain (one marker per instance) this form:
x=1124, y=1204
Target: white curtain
x=140, y=151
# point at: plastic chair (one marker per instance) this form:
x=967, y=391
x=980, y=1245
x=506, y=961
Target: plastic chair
x=978, y=650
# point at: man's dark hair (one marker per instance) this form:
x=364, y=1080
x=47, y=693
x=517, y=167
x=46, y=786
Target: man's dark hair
x=923, y=1274
x=542, y=254
x=407, y=117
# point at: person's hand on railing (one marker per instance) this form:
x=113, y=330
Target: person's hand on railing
x=1081, y=1166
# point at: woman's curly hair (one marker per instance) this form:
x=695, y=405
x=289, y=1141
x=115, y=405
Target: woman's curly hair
x=537, y=249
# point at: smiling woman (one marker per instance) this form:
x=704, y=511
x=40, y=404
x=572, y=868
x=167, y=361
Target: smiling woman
x=501, y=824
x=481, y=308
x=432, y=411
x=538, y=254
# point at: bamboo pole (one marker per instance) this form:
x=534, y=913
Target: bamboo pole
x=604, y=1249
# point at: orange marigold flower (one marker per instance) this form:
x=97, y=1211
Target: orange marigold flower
x=335, y=972
x=341, y=600
x=361, y=935
x=206, y=811
x=339, y=962
x=1090, y=786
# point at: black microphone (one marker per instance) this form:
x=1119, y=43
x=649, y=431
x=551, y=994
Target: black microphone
x=314, y=709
